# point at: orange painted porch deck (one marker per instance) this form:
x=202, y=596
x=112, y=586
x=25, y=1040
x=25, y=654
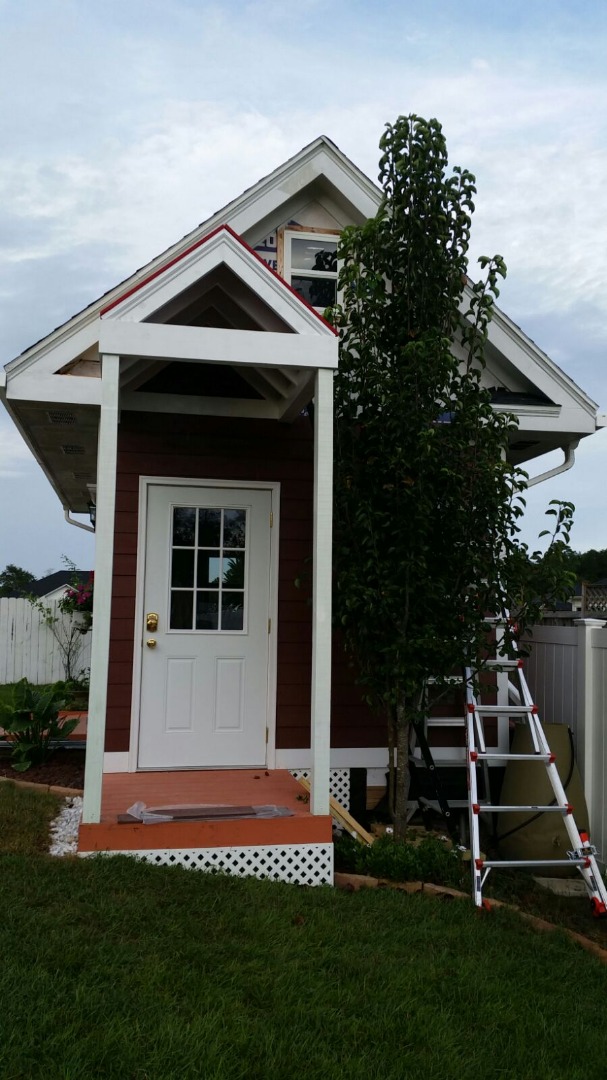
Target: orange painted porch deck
x=255, y=787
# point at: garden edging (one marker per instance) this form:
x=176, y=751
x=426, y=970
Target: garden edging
x=54, y=789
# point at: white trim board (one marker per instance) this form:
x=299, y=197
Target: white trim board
x=251, y=348
x=355, y=757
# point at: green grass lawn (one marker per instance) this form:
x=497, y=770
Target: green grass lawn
x=25, y=816
x=114, y=969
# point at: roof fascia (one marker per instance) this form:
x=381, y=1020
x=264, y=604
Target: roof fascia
x=530, y=361
x=534, y=363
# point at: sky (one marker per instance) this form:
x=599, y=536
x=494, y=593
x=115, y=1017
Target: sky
x=125, y=123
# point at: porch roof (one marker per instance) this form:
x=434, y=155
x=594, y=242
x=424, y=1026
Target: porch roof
x=252, y=342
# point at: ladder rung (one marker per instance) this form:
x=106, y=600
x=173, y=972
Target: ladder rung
x=483, y=755
x=505, y=710
x=506, y=665
x=486, y=808
x=490, y=863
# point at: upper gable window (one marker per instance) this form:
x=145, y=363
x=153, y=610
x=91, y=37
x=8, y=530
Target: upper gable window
x=310, y=266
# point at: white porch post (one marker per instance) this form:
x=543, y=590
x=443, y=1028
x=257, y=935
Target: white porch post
x=102, y=597
x=321, y=591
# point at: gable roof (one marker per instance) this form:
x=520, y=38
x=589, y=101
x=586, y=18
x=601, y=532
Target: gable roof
x=217, y=259
x=319, y=163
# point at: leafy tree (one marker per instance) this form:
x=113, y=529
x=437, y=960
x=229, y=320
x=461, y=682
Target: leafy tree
x=589, y=565
x=426, y=504
x=15, y=580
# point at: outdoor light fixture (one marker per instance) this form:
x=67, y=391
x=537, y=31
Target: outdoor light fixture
x=92, y=503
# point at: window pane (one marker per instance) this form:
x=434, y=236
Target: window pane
x=184, y=525
x=314, y=255
x=182, y=572
x=319, y=292
x=232, y=610
x=233, y=571
x=208, y=569
x=181, y=610
x=207, y=610
x=234, y=528
x=209, y=524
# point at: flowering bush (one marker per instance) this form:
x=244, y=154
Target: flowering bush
x=78, y=598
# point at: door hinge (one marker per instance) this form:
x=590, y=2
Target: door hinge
x=271, y=519
x=269, y=626
x=267, y=736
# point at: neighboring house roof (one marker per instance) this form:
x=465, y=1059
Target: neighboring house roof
x=57, y=582
x=53, y=389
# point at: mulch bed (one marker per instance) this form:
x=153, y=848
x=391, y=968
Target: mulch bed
x=65, y=768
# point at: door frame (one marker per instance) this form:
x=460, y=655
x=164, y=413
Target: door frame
x=145, y=484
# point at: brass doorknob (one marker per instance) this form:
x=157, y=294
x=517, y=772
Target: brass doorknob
x=151, y=643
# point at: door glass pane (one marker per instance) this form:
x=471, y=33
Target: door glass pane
x=233, y=571
x=209, y=563
x=209, y=528
x=207, y=611
x=182, y=571
x=184, y=526
x=182, y=604
x=319, y=292
x=208, y=555
x=234, y=528
x=232, y=610
x=311, y=254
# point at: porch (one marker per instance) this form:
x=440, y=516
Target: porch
x=296, y=848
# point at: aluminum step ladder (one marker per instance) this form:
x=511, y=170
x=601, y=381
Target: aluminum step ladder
x=582, y=854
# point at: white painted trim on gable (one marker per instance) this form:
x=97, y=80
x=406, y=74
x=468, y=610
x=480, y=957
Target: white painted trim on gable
x=220, y=249
x=56, y=389
x=102, y=600
x=145, y=482
x=211, y=345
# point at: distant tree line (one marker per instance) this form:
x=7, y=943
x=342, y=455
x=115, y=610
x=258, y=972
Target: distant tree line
x=588, y=566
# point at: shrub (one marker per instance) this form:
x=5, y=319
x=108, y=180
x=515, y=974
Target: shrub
x=431, y=859
x=31, y=722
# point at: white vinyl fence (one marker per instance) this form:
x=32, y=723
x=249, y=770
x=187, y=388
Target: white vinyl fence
x=28, y=648
x=567, y=675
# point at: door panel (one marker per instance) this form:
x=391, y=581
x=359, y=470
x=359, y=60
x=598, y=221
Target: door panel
x=204, y=691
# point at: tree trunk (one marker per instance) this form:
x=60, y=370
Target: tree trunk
x=402, y=771
x=391, y=761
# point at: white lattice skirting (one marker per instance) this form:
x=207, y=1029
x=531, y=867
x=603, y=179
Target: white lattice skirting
x=339, y=783
x=298, y=864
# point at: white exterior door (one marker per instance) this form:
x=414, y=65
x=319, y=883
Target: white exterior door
x=204, y=688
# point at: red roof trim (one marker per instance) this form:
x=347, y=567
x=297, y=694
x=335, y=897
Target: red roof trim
x=220, y=228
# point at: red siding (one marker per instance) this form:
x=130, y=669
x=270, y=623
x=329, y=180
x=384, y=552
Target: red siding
x=229, y=449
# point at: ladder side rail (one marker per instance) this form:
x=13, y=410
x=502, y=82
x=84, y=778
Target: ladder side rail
x=475, y=848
